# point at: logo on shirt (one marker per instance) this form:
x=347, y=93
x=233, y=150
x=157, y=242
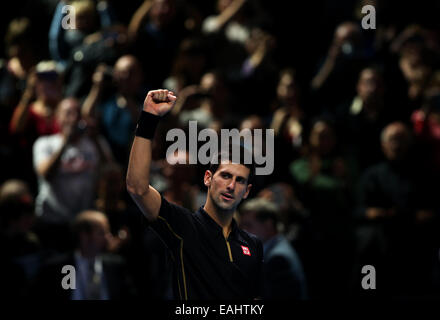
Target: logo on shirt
x=246, y=250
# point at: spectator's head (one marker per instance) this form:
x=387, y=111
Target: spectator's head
x=260, y=217
x=415, y=63
x=48, y=86
x=214, y=86
x=127, y=75
x=86, y=22
x=191, y=60
x=92, y=233
x=347, y=32
x=16, y=207
x=162, y=13
x=86, y=17
x=68, y=114
x=287, y=90
x=19, y=42
x=396, y=141
x=370, y=86
x=181, y=172
x=348, y=36
x=259, y=39
x=252, y=122
x=322, y=137
x=228, y=180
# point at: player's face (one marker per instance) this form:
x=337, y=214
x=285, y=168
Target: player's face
x=229, y=185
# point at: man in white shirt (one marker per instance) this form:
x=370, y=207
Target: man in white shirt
x=66, y=165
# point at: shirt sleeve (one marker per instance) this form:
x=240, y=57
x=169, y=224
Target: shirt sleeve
x=173, y=224
x=41, y=151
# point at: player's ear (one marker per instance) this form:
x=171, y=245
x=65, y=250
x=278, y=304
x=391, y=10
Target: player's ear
x=249, y=186
x=207, y=178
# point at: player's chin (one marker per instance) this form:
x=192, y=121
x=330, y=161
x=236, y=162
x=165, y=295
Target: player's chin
x=227, y=205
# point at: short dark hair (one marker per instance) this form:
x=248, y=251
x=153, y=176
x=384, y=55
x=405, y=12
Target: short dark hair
x=227, y=154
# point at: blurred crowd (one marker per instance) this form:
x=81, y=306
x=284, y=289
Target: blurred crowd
x=355, y=112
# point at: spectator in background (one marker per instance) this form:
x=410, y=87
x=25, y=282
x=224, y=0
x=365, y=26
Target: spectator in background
x=86, y=17
x=208, y=102
x=110, y=200
x=288, y=123
x=102, y=47
x=156, y=31
x=416, y=62
x=189, y=65
x=230, y=29
x=426, y=127
x=324, y=176
x=292, y=213
x=397, y=225
x=19, y=245
x=22, y=54
x=118, y=113
x=283, y=273
x=334, y=82
x=360, y=122
x=256, y=72
x=35, y=114
x=66, y=165
x=99, y=276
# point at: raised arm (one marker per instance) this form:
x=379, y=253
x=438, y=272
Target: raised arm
x=20, y=116
x=156, y=104
x=138, y=19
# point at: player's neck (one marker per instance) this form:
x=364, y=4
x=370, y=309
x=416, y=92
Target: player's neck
x=222, y=217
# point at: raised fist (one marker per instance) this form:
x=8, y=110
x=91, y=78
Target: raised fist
x=159, y=102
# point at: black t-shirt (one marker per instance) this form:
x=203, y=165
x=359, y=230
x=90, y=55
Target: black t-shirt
x=205, y=264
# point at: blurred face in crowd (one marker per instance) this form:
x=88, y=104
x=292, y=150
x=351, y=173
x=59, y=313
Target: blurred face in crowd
x=68, y=114
x=347, y=33
x=179, y=173
x=395, y=141
x=413, y=67
x=18, y=203
x=48, y=88
x=85, y=15
x=24, y=53
x=162, y=12
x=287, y=90
x=370, y=86
x=250, y=223
x=252, y=122
x=212, y=85
x=127, y=75
x=97, y=239
x=322, y=138
x=228, y=185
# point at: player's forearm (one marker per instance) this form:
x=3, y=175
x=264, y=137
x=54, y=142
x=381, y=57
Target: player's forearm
x=138, y=173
